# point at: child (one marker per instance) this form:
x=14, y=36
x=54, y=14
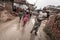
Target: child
x=25, y=18
x=39, y=18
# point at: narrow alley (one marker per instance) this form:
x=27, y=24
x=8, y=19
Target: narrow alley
x=29, y=19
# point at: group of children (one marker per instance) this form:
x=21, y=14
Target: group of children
x=25, y=17
x=22, y=14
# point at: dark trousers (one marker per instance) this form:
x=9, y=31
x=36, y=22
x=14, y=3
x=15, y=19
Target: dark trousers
x=19, y=20
x=36, y=27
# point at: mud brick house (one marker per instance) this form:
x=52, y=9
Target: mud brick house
x=20, y=1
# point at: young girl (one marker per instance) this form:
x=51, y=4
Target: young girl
x=25, y=18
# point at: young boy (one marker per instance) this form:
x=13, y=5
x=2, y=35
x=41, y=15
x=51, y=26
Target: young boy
x=41, y=16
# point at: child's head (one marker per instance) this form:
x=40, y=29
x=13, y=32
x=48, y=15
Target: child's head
x=27, y=13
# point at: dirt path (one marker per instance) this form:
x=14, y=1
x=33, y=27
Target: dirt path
x=9, y=31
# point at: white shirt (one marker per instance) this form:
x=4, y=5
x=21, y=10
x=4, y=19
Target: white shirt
x=42, y=15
